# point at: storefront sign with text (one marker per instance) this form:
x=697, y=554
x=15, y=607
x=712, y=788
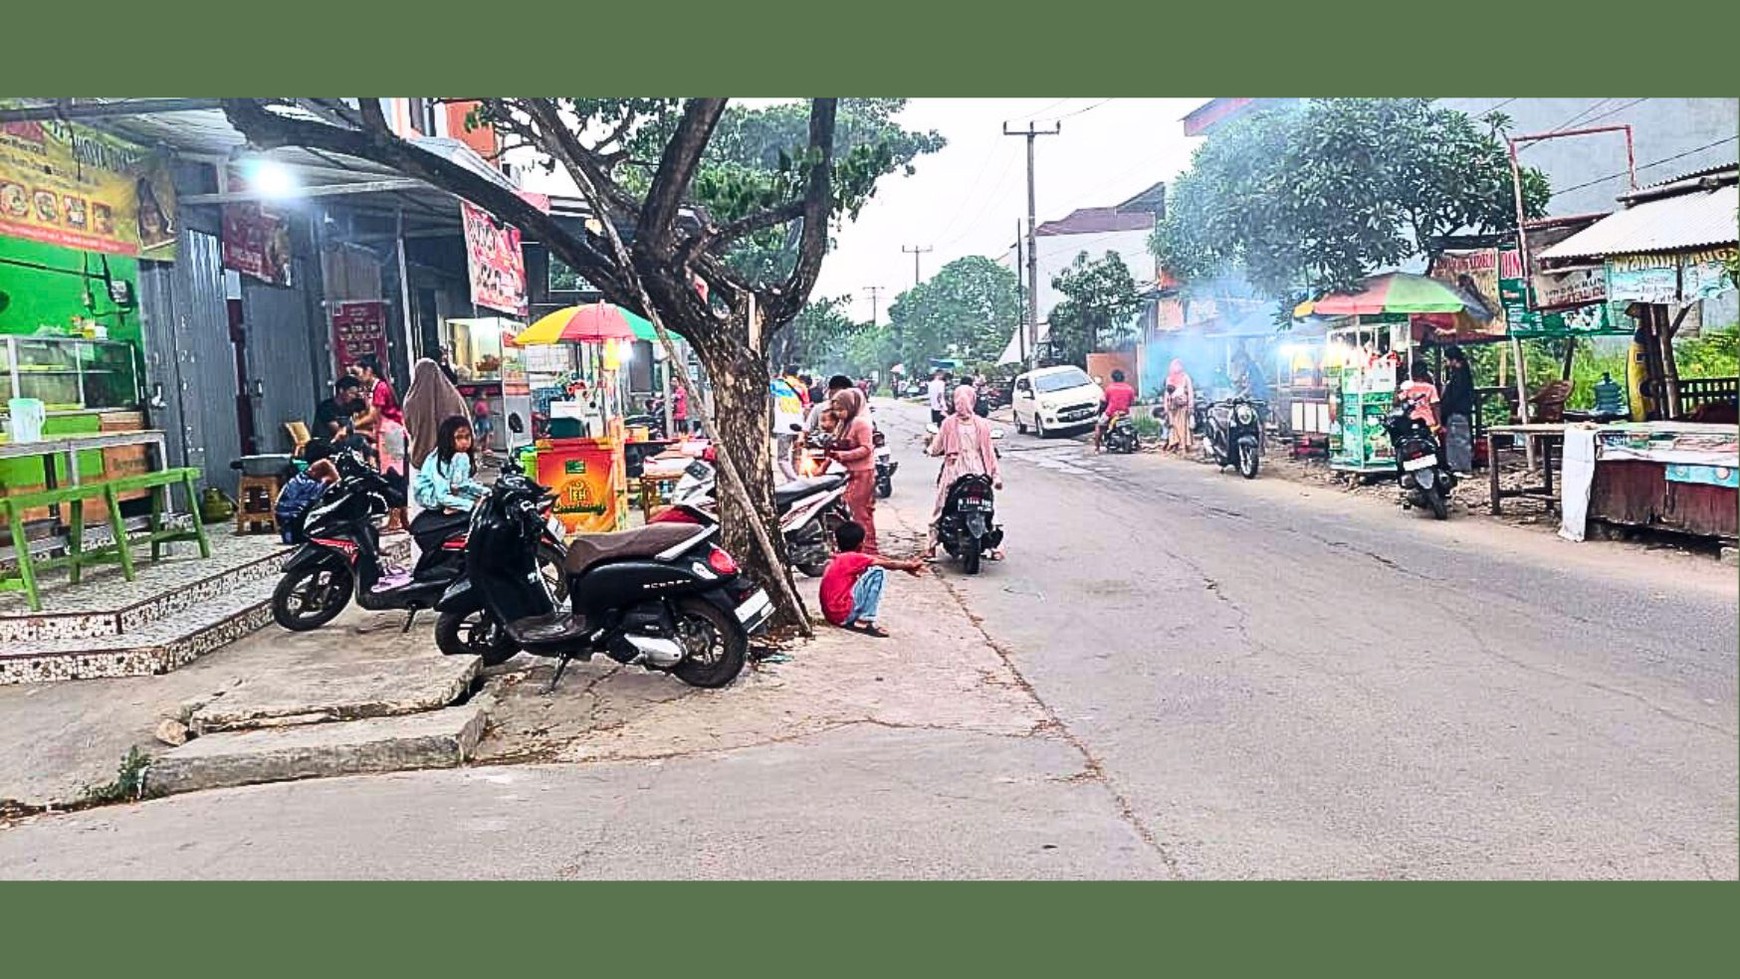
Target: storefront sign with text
x=64, y=184
x=358, y=330
x=498, y=268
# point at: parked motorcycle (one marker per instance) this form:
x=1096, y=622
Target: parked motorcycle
x=341, y=558
x=885, y=467
x=809, y=510
x=967, y=527
x=1424, y=473
x=1120, y=435
x=663, y=597
x=1232, y=433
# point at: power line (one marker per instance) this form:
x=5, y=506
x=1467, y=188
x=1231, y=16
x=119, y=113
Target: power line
x=1646, y=166
x=1080, y=111
x=977, y=183
x=1042, y=112
x=996, y=188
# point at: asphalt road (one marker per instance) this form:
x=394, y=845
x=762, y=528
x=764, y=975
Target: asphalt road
x=1247, y=680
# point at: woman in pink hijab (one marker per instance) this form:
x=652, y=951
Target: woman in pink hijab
x=855, y=448
x=964, y=442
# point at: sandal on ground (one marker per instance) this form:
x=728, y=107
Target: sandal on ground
x=996, y=555
x=867, y=628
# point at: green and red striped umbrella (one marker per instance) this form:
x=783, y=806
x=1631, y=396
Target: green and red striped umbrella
x=1396, y=292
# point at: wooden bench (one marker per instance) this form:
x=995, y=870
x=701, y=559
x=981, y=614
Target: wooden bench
x=77, y=556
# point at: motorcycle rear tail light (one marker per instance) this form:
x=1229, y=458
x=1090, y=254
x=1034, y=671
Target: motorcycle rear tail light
x=674, y=515
x=721, y=562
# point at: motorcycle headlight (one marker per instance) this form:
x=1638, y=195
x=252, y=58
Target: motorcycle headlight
x=1245, y=415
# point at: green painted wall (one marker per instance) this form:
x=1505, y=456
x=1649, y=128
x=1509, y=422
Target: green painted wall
x=46, y=284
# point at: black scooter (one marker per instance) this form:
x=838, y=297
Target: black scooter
x=967, y=527
x=662, y=597
x=1232, y=432
x=341, y=557
x=1424, y=473
x=1120, y=434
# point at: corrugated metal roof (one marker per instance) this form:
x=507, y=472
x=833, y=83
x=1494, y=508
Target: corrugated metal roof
x=1696, y=220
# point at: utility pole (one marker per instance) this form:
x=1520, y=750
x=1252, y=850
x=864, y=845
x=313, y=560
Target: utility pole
x=915, y=251
x=1032, y=225
x=873, y=291
x=1021, y=278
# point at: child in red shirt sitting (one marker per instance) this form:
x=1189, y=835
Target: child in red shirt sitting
x=852, y=585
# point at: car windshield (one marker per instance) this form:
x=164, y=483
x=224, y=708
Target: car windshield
x=1061, y=381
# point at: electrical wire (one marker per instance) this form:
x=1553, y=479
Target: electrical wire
x=1646, y=166
x=1080, y=111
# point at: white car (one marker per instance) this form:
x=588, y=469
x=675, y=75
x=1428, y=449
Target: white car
x=1055, y=399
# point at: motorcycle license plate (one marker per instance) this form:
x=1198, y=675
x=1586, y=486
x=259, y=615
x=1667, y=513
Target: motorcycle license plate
x=1423, y=462
x=757, y=609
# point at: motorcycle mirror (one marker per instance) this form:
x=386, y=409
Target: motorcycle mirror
x=515, y=425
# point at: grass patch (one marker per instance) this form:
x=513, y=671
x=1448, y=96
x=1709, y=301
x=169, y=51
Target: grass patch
x=129, y=782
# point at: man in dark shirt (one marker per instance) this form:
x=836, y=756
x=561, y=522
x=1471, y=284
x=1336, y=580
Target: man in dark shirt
x=333, y=417
x=1457, y=404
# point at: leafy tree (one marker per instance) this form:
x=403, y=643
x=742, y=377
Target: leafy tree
x=1315, y=197
x=817, y=337
x=747, y=219
x=1100, y=303
x=966, y=311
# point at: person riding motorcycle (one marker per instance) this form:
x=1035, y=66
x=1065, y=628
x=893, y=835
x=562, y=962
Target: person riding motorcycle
x=1119, y=397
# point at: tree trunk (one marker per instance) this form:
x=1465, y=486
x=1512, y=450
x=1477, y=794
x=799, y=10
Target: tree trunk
x=741, y=419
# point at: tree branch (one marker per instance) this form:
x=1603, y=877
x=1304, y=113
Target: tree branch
x=374, y=118
x=718, y=237
x=818, y=204
x=560, y=141
x=266, y=130
x=677, y=166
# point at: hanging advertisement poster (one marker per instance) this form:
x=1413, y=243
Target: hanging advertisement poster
x=1643, y=279
x=1560, y=288
x=256, y=243
x=1705, y=275
x=1475, y=273
x=63, y=184
x=1526, y=321
x=497, y=266
x=358, y=330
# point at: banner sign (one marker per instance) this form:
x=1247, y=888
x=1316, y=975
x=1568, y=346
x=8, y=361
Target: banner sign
x=256, y=243
x=498, y=268
x=358, y=330
x=1527, y=321
x=63, y=184
x=1476, y=273
x=1643, y=279
x=1563, y=287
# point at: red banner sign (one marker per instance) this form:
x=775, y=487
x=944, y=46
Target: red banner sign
x=498, y=268
x=358, y=329
x=256, y=242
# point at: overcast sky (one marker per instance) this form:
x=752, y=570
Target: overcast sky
x=967, y=198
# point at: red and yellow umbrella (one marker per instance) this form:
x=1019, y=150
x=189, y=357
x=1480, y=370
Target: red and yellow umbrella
x=592, y=323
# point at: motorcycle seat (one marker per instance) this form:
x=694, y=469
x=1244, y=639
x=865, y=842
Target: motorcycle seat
x=590, y=549
x=785, y=496
x=555, y=627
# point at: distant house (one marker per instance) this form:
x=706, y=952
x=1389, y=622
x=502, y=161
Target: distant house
x=1123, y=228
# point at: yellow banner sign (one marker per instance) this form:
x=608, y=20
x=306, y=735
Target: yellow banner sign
x=67, y=185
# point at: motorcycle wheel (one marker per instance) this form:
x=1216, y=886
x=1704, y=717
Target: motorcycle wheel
x=1440, y=506
x=814, y=569
x=970, y=556
x=884, y=488
x=714, y=649
x=1248, y=461
x=550, y=566
x=311, y=597
x=475, y=633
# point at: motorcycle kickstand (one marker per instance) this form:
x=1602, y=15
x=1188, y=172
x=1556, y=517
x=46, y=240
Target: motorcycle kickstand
x=410, y=617
x=561, y=667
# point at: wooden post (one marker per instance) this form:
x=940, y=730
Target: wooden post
x=1522, y=398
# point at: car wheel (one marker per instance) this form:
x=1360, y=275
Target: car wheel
x=1039, y=426
x=1020, y=426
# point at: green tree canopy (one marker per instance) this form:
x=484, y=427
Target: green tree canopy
x=1099, y=305
x=1316, y=197
x=966, y=311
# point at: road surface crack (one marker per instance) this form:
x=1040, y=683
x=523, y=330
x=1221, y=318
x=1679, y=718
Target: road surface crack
x=1093, y=770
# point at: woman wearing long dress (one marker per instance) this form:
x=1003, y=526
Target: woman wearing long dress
x=855, y=448
x=965, y=444
x=1180, y=399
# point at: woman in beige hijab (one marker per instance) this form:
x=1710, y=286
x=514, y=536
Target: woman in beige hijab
x=431, y=400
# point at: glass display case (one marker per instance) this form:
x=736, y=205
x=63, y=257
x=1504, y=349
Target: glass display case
x=69, y=374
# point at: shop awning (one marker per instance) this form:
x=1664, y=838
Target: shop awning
x=1684, y=222
x=1396, y=293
